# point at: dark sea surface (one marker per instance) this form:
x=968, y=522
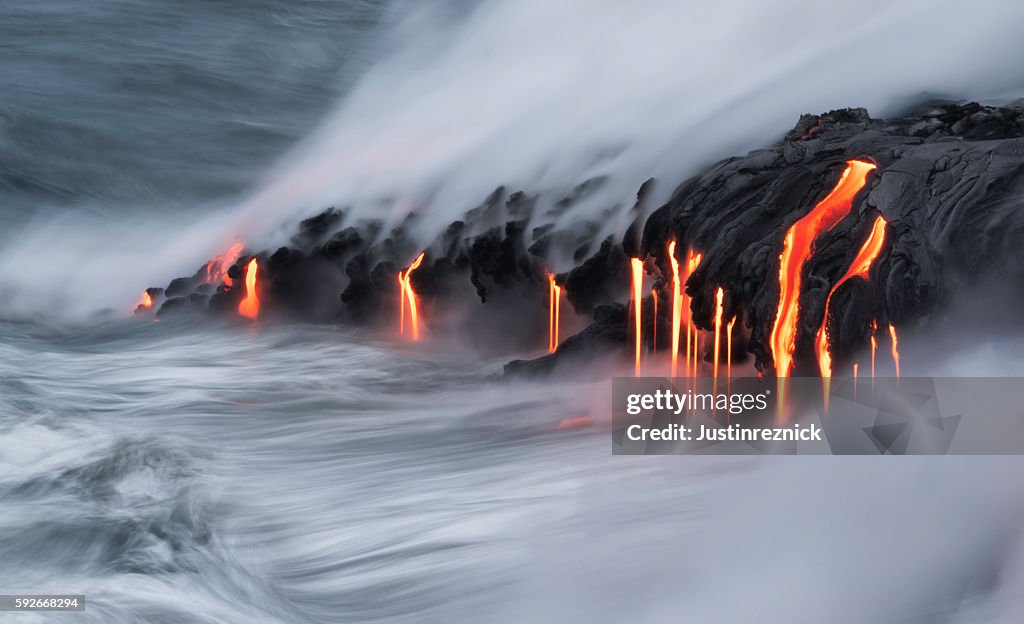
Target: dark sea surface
x=117, y=105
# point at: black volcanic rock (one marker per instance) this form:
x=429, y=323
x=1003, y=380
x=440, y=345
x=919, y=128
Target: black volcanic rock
x=342, y=243
x=607, y=334
x=499, y=258
x=949, y=183
x=947, y=197
x=314, y=229
x=600, y=279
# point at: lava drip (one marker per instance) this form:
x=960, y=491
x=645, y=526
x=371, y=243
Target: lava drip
x=728, y=354
x=677, y=306
x=407, y=296
x=895, y=349
x=654, y=324
x=797, y=249
x=719, y=298
x=249, y=307
x=860, y=267
x=874, y=349
x=638, y=280
x=554, y=304
x=692, y=335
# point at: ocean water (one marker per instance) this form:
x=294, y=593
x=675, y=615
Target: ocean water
x=316, y=474
x=230, y=473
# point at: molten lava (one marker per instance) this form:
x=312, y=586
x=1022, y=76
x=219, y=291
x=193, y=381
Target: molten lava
x=250, y=305
x=217, y=269
x=860, y=267
x=677, y=306
x=407, y=296
x=554, y=301
x=654, y=325
x=895, y=349
x=692, y=335
x=874, y=349
x=146, y=302
x=638, y=280
x=728, y=349
x=719, y=298
x=796, y=250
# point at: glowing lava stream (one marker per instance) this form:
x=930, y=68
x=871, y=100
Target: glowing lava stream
x=874, y=349
x=692, y=262
x=146, y=302
x=654, y=325
x=719, y=297
x=860, y=267
x=638, y=279
x=796, y=250
x=217, y=269
x=250, y=305
x=406, y=295
x=895, y=349
x=728, y=355
x=554, y=303
x=677, y=306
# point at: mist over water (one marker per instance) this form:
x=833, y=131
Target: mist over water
x=311, y=474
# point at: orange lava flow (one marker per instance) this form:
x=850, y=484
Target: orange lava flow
x=728, y=348
x=638, y=280
x=250, y=305
x=719, y=298
x=654, y=327
x=895, y=349
x=874, y=349
x=217, y=269
x=554, y=303
x=692, y=334
x=855, y=381
x=796, y=250
x=146, y=302
x=677, y=306
x=407, y=297
x=860, y=267
x=696, y=351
